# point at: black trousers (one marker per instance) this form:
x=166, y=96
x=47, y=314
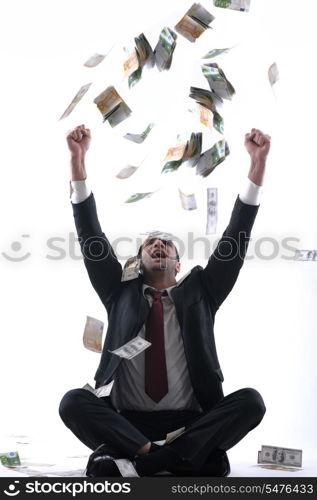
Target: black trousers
x=95, y=421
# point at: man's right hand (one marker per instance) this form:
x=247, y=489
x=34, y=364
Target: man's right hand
x=78, y=141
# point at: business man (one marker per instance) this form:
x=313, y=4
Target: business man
x=177, y=381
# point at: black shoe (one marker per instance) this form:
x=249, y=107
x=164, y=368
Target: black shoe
x=101, y=464
x=216, y=466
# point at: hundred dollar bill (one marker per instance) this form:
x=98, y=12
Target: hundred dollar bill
x=241, y=5
x=93, y=334
x=164, y=49
x=127, y=172
x=80, y=94
x=101, y=392
x=211, y=158
x=212, y=209
x=195, y=22
x=306, y=255
x=217, y=80
x=139, y=138
x=132, y=348
x=188, y=201
x=125, y=467
x=273, y=74
x=138, y=196
x=215, y=53
x=205, y=97
x=112, y=106
x=131, y=269
x=281, y=456
x=10, y=459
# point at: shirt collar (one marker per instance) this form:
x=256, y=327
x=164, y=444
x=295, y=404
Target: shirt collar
x=169, y=289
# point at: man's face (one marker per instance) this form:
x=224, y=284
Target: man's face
x=159, y=255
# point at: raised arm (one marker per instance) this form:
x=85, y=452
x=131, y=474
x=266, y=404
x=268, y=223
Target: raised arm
x=103, y=267
x=222, y=270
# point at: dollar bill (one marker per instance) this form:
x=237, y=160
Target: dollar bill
x=215, y=52
x=80, y=94
x=93, y=334
x=306, y=255
x=101, y=392
x=212, y=210
x=211, y=158
x=205, y=97
x=280, y=456
x=132, y=348
x=139, y=138
x=217, y=80
x=10, y=459
x=164, y=50
x=171, y=436
x=126, y=172
x=194, y=22
x=112, y=106
x=273, y=74
x=131, y=269
x=241, y=5
x=138, y=196
x=94, y=60
x=125, y=467
x=188, y=201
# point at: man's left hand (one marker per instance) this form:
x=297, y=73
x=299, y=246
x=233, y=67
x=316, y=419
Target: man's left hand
x=258, y=146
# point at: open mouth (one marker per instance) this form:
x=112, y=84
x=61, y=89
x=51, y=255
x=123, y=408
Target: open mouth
x=158, y=255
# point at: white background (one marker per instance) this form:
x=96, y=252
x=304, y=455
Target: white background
x=266, y=329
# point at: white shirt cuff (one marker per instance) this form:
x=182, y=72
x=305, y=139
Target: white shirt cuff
x=79, y=191
x=251, y=194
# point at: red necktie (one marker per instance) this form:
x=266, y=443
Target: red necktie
x=156, y=385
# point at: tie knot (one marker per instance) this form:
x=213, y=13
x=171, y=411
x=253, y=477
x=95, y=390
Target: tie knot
x=156, y=294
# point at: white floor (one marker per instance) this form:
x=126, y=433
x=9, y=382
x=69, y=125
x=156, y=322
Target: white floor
x=52, y=457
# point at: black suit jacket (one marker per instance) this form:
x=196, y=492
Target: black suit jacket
x=197, y=298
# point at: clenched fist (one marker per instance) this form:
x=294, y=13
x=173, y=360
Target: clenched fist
x=78, y=141
x=258, y=146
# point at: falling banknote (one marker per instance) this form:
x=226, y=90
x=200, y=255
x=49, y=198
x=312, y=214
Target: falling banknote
x=212, y=208
x=280, y=456
x=138, y=196
x=205, y=97
x=217, y=80
x=241, y=5
x=306, y=255
x=211, y=158
x=132, y=348
x=139, y=138
x=164, y=49
x=93, y=334
x=195, y=22
x=273, y=74
x=94, y=60
x=214, y=53
x=80, y=94
x=142, y=56
x=188, y=201
x=10, y=459
x=112, y=106
x=101, y=392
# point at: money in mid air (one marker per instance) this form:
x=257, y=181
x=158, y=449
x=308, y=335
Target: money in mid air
x=217, y=80
x=131, y=269
x=196, y=20
x=93, y=334
x=138, y=196
x=280, y=456
x=273, y=74
x=205, y=97
x=101, y=392
x=139, y=138
x=212, y=210
x=214, y=53
x=188, y=201
x=94, y=60
x=306, y=255
x=132, y=348
x=10, y=459
x=164, y=49
x=142, y=56
x=80, y=94
x=112, y=106
x=241, y=5
x=211, y=158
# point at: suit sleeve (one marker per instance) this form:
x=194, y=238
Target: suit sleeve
x=102, y=265
x=223, y=267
